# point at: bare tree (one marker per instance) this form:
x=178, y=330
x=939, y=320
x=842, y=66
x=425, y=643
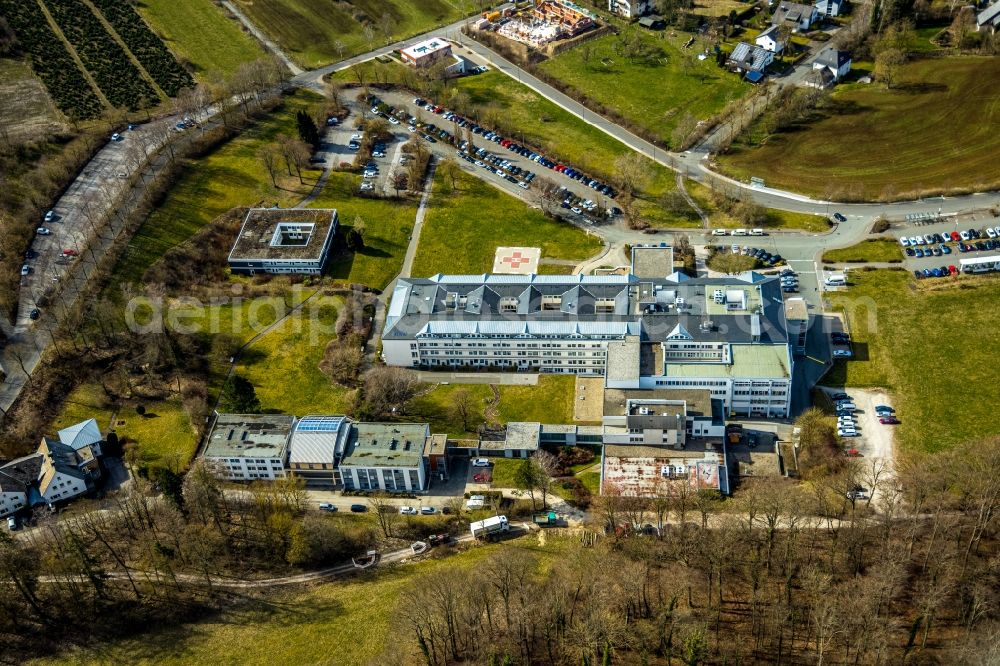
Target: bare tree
x=388, y=389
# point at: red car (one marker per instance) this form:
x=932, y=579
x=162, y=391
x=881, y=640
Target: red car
x=560, y=168
x=854, y=453
x=955, y=237
x=888, y=420
x=70, y=253
x=953, y=270
x=505, y=143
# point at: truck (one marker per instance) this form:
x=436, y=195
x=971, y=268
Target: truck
x=489, y=527
x=545, y=519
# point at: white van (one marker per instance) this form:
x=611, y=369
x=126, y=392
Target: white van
x=738, y=232
x=756, y=232
x=835, y=280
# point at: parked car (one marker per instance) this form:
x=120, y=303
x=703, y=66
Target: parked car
x=358, y=508
x=117, y=137
x=839, y=217
x=42, y=231
x=326, y=506
x=408, y=510
x=34, y=314
x=25, y=269
x=843, y=397
x=428, y=510
x=888, y=420
x=11, y=523
x=842, y=353
x=480, y=462
x=50, y=216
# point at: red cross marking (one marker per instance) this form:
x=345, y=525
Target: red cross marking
x=515, y=260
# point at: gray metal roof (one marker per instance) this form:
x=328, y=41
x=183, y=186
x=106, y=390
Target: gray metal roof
x=600, y=308
x=315, y=439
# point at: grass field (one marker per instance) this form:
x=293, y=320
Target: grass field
x=388, y=225
x=928, y=342
x=776, y=219
x=350, y=623
x=465, y=225
x=591, y=481
x=26, y=110
x=863, y=145
x=310, y=30
x=164, y=435
x=200, y=33
x=503, y=471
x=655, y=91
x=229, y=176
x=283, y=365
x=869, y=250
x=550, y=401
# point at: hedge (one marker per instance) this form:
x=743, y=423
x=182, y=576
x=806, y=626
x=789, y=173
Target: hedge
x=51, y=60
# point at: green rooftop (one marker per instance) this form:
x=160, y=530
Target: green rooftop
x=749, y=361
x=385, y=445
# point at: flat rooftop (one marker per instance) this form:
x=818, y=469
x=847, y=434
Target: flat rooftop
x=652, y=262
x=249, y=436
x=385, y=445
x=426, y=47
x=284, y=233
x=697, y=402
x=749, y=361
x=796, y=308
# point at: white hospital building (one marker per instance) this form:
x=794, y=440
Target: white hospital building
x=728, y=335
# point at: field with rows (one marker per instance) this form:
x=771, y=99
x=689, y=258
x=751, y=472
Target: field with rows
x=51, y=60
x=117, y=76
x=148, y=49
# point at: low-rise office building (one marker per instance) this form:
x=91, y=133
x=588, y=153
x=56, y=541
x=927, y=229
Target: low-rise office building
x=316, y=444
x=284, y=240
x=386, y=456
x=249, y=447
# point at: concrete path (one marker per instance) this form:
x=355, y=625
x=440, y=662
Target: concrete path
x=501, y=378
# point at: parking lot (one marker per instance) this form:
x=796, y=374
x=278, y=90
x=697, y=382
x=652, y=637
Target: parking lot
x=944, y=244
x=874, y=440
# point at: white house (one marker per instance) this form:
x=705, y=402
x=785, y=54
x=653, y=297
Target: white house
x=14, y=478
x=799, y=17
x=249, y=447
x=630, y=8
x=829, y=7
x=829, y=67
x=770, y=40
x=284, y=240
x=63, y=475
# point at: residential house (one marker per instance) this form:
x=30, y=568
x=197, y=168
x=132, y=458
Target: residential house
x=829, y=7
x=829, y=67
x=630, y=8
x=989, y=18
x=799, y=17
x=316, y=445
x=249, y=447
x=653, y=22
x=770, y=40
x=64, y=473
x=83, y=435
x=749, y=58
x=17, y=479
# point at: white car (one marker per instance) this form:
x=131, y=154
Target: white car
x=49, y=216
x=393, y=120
x=480, y=462
x=719, y=232
x=42, y=231
x=326, y=506
x=25, y=269
x=904, y=241
x=991, y=232
x=842, y=353
x=411, y=128
x=576, y=210
x=997, y=229
x=964, y=235
x=523, y=185
x=408, y=510
x=847, y=433
x=370, y=173
x=367, y=187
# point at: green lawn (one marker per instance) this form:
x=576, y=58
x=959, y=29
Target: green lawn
x=351, y=622
x=388, y=226
x=551, y=401
x=231, y=175
x=871, y=249
x=283, y=365
x=865, y=145
x=164, y=434
x=591, y=481
x=310, y=30
x=465, y=225
x=654, y=91
x=930, y=344
x=503, y=471
x=200, y=33
x=776, y=219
